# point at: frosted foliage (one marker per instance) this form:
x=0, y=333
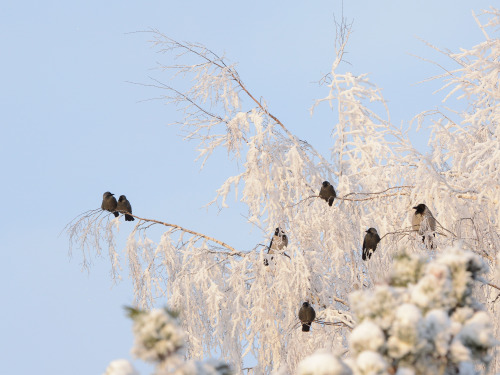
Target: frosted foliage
x=366, y=336
x=436, y=328
x=156, y=336
x=407, y=270
x=370, y=363
x=158, y=339
x=209, y=367
x=404, y=334
x=405, y=371
x=322, y=363
x=476, y=335
x=428, y=338
x=435, y=289
x=379, y=305
x=120, y=367
x=233, y=305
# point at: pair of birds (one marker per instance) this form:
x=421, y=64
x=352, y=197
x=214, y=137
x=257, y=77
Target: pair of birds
x=372, y=238
x=422, y=222
x=110, y=204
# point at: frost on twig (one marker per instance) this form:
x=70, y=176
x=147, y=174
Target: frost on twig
x=160, y=340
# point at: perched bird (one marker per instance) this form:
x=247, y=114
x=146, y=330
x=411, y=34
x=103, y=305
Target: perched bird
x=370, y=243
x=278, y=242
x=109, y=203
x=327, y=193
x=124, y=206
x=306, y=316
x=423, y=222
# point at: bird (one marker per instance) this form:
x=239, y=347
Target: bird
x=423, y=222
x=327, y=193
x=306, y=316
x=278, y=242
x=124, y=206
x=370, y=243
x=109, y=203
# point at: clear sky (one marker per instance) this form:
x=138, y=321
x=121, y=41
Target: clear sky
x=71, y=127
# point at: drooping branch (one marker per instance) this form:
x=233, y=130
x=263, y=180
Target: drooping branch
x=197, y=234
x=88, y=229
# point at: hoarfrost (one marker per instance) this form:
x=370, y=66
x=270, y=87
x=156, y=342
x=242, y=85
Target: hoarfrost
x=366, y=336
x=120, y=367
x=156, y=336
x=322, y=363
x=230, y=303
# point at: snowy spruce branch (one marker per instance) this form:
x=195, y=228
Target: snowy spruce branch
x=424, y=321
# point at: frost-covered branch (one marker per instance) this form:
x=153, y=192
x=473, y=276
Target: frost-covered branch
x=185, y=230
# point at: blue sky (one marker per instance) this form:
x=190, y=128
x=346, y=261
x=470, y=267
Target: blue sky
x=71, y=127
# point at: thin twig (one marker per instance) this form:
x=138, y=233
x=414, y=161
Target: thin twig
x=492, y=285
x=372, y=198
x=302, y=200
x=383, y=191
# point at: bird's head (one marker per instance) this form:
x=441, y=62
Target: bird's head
x=107, y=194
x=122, y=198
x=372, y=231
x=326, y=184
x=277, y=232
x=420, y=208
x=305, y=304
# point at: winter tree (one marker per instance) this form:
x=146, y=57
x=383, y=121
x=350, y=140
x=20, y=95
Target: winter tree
x=425, y=321
x=232, y=304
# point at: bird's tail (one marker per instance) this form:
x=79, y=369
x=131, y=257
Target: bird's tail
x=129, y=218
x=364, y=255
x=330, y=201
x=116, y=214
x=429, y=243
x=306, y=327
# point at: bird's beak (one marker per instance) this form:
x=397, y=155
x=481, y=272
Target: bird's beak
x=415, y=207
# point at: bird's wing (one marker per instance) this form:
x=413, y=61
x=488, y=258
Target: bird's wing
x=415, y=221
x=331, y=191
x=432, y=223
x=428, y=224
x=271, y=250
x=322, y=193
x=301, y=314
